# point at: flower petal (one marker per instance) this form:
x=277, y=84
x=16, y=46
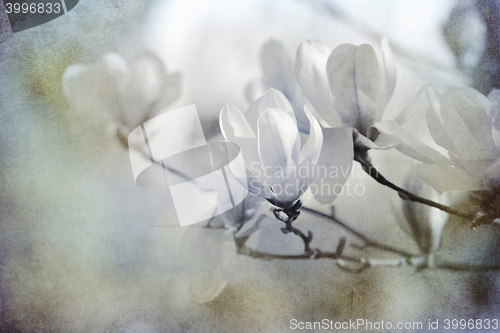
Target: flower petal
x=362, y=142
x=494, y=97
x=254, y=90
x=288, y=191
x=419, y=104
x=389, y=134
x=312, y=148
x=355, y=83
x=423, y=223
x=334, y=163
x=272, y=98
x=389, y=69
x=96, y=86
x=233, y=124
x=277, y=67
x=473, y=108
x=466, y=142
x=446, y=178
x=172, y=88
x=235, y=129
x=278, y=144
x=143, y=91
x=310, y=72
x=71, y=78
x=435, y=122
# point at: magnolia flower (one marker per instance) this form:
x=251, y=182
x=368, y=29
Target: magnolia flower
x=423, y=223
x=277, y=70
x=282, y=163
x=130, y=92
x=462, y=121
x=465, y=123
x=347, y=86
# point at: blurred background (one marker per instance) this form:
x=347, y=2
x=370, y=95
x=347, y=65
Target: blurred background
x=83, y=249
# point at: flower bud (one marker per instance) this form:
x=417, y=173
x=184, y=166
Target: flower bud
x=421, y=222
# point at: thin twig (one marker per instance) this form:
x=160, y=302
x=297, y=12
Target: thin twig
x=368, y=242
x=404, y=194
x=362, y=263
x=307, y=239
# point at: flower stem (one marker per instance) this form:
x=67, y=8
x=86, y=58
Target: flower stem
x=404, y=194
x=367, y=241
x=345, y=262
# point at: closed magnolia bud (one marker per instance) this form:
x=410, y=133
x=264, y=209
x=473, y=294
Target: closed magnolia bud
x=423, y=223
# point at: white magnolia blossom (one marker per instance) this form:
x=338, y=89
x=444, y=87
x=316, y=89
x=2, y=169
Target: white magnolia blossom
x=278, y=73
x=281, y=162
x=465, y=123
x=347, y=86
x=421, y=222
x=130, y=92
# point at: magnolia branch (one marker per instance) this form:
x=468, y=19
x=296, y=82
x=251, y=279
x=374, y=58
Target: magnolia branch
x=350, y=263
x=355, y=264
x=366, y=240
x=404, y=194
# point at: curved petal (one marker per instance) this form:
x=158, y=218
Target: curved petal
x=312, y=148
x=278, y=144
x=310, y=72
x=419, y=104
x=253, y=90
x=256, y=182
x=70, y=80
x=277, y=67
x=389, y=134
x=91, y=87
x=163, y=88
x=172, y=88
x=389, y=69
x=435, y=122
x=272, y=98
x=473, y=109
x=466, y=142
x=233, y=124
x=288, y=191
x=355, y=83
x=141, y=94
x=446, y=178
x=494, y=97
x=235, y=129
x=423, y=223
x=334, y=164
x=363, y=143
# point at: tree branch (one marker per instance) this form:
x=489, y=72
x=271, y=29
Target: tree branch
x=405, y=195
x=367, y=241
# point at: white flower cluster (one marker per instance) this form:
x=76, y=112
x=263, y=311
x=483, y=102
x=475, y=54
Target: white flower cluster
x=308, y=120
